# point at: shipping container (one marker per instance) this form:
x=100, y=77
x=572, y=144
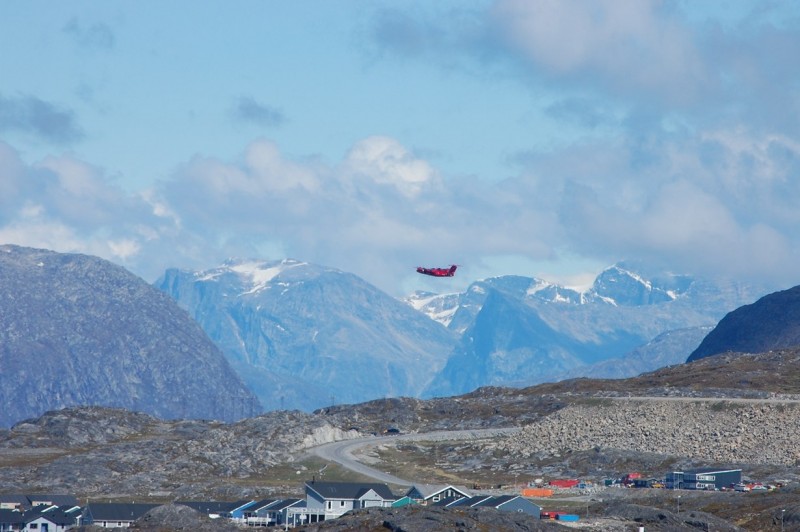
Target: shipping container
x=567, y=517
x=537, y=492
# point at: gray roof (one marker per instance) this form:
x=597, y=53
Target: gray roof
x=117, y=511
x=282, y=504
x=349, y=490
x=262, y=504
x=471, y=501
x=27, y=500
x=214, y=507
x=9, y=517
x=56, y=516
x=447, y=501
x=49, y=498
x=706, y=470
x=496, y=502
x=429, y=490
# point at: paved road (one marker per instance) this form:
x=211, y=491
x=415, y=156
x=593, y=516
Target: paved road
x=341, y=452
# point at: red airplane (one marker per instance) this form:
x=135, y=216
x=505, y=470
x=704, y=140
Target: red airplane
x=438, y=272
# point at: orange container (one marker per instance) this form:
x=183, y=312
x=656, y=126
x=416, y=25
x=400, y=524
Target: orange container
x=537, y=492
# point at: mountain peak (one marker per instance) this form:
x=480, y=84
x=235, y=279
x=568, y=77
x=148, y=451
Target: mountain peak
x=253, y=275
x=77, y=329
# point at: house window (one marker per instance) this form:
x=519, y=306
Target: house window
x=34, y=526
x=330, y=505
x=341, y=504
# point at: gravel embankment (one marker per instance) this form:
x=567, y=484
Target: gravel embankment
x=719, y=432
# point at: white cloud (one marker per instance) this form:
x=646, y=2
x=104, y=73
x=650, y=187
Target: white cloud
x=125, y=248
x=272, y=171
x=42, y=234
x=629, y=44
x=68, y=205
x=383, y=211
x=385, y=161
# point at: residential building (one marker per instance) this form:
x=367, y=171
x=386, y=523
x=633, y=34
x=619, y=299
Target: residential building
x=26, y=501
x=703, y=479
x=503, y=503
x=431, y=493
x=41, y=518
x=11, y=520
x=329, y=500
x=114, y=515
x=214, y=509
x=269, y=512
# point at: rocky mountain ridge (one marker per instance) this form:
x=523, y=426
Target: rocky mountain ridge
x=79, y=330
x=306, y=336
x=772, y=322
x=521, y=331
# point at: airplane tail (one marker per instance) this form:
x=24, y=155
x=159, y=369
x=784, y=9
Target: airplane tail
x=453, y=269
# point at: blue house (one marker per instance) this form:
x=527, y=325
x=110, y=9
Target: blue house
x=270, y=512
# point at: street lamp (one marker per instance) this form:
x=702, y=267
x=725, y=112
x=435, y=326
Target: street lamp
x=679, y=504
x=782, y=512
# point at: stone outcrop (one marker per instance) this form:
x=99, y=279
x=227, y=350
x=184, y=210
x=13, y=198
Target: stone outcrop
x=713, y=431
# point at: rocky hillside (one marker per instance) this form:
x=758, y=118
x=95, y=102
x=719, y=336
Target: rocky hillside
x=772, y=322
x=581, y=427
x=79, y=330
x=714, y=432
x=113, y=452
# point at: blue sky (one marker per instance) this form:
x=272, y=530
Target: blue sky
x=541, y=138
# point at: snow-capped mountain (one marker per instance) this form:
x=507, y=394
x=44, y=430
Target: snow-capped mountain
x=521, y=330
x=305, y=336
x=616, y=286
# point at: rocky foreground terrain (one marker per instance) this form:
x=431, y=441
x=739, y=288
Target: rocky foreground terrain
x=724, y=411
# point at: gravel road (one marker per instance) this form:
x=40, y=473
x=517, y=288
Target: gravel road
x=341, y=452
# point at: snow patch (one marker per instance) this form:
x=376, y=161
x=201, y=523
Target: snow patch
x=258, y=274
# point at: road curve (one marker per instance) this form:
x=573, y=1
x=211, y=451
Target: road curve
x=341, y=452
